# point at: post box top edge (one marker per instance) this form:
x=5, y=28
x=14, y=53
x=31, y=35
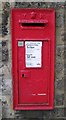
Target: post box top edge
x=33, y=9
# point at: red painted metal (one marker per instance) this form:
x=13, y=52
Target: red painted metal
x=33, y=87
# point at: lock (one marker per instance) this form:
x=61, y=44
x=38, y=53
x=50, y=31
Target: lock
x=23, y=75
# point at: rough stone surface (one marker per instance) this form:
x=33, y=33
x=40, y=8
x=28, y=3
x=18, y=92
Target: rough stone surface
x=7, y=111
x=60, y=66
x=59, y=36
x=4, y=51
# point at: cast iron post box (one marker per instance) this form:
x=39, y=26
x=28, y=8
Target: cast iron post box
x=33, y=37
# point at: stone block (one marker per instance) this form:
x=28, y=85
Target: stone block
x=59, y=36
x=59, y=99
x=7, y=110
x=65, y=111
x=38, y=3
x=65, y=101
x=0, y=85
x=0, y=109
x=65, y=91
x=6, y=70
x=20, y=115
x=52, y=114
x=60, y=18
x=28, y=114
x=59, y=84
x=59, y=76
x=4, y=51
x=65, y=53
x=0, y=51
x=65, y=75
x=7, y=86
x=59, y=63
x=5, y=15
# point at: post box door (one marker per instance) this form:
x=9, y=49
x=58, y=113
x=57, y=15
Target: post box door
x=34, y=67
x=33, y=45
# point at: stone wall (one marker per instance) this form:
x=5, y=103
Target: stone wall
x=5, y=64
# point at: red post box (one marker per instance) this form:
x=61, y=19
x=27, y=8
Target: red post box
x=33, y=43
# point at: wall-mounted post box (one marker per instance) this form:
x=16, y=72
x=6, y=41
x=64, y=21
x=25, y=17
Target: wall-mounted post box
x=33, y=37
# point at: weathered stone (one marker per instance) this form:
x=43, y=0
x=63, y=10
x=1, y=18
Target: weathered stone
x=4, y=99
x=65, y=53
x=4, y=51
x=65, y=89
x=5, y=15
x=59, y=98
x=1, y=73
x=42, y=4
x=0, y=85
x=7, y=111
x=56, y=113
x=65, y=76
x=0, y=51
x=59, y=71
x=7, y=87
x=59, y=76
x=65, y=22
x=28, y=114
x=59, y=84
x=59, y=36
x=65, y=111
x=60, y=18
x=0, y=110
x=6, y=71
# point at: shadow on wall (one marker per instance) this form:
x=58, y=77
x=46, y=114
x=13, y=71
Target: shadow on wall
x=5, y=15
x=4, y=51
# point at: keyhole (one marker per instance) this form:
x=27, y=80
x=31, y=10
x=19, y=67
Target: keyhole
x=22, y=75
